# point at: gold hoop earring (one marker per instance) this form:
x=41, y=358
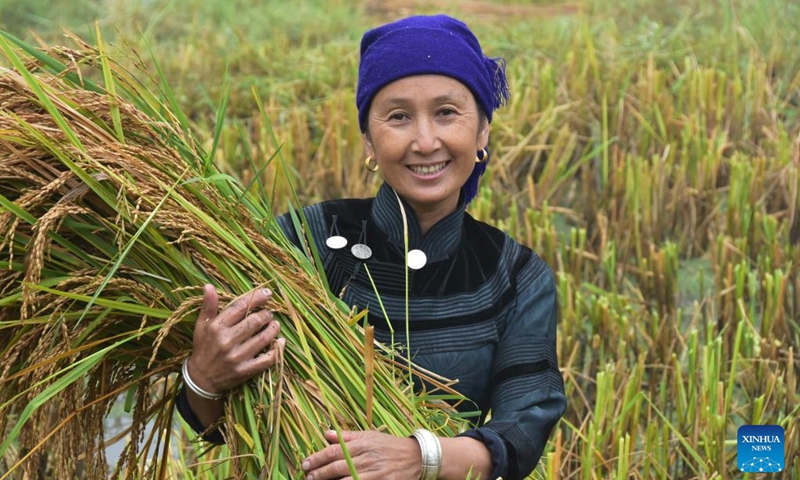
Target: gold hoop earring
x=482, y=156
x=369, y=165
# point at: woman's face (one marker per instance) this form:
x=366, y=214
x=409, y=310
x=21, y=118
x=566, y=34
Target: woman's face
x=424, y=132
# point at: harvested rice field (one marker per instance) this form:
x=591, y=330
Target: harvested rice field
x=649, y=153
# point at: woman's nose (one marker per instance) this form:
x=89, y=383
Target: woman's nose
x=427, y=137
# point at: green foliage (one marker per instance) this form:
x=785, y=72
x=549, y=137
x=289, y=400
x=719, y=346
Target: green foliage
x=649, y=153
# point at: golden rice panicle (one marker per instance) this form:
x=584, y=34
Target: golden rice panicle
x=113, y=216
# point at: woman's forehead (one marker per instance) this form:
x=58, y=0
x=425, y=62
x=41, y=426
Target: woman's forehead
x=423, y=89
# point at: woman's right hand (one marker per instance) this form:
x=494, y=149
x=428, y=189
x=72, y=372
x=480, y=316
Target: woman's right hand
x=231, y=346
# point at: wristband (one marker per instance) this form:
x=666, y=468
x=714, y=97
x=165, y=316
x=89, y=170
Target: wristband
x=187, y=380
x=431, y=453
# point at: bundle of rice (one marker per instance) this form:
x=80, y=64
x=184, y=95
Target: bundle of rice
x=111, y=219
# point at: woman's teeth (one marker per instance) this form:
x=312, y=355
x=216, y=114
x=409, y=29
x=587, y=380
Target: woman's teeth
x=427, y=169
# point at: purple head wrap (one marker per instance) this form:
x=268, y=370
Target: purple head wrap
x=430, y=45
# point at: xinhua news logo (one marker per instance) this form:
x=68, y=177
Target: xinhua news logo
x=760, y=448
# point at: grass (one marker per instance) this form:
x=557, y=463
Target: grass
x=650, y=155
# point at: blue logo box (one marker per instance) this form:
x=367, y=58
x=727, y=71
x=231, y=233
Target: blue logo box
x=760, y=448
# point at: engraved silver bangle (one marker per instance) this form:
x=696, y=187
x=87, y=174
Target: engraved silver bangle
x=431, y=453
x=187, y=380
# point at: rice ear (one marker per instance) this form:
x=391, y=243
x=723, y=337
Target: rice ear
x=115, y=215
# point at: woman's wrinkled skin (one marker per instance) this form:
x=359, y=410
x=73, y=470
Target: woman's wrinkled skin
x=424, y=133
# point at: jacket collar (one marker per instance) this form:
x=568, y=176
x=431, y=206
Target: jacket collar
x=438, y=243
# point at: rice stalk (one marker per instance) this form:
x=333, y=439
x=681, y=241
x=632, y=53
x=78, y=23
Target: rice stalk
x=114, y=214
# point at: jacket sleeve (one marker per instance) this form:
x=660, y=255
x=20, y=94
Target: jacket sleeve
x=182, y=403
x=527, y=397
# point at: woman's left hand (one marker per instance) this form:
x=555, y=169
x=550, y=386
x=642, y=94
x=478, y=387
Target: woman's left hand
x=375, y=455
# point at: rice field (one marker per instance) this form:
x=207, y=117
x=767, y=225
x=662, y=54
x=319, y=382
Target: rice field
x=650, y=154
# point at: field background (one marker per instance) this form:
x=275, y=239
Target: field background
x=650, y=153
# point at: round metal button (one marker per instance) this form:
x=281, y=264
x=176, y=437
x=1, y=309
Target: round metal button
x=361, y=251
x=417, y=259
x=336, y=242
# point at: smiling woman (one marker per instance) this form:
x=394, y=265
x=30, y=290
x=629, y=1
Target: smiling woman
x=424, y=132
x=474, y=304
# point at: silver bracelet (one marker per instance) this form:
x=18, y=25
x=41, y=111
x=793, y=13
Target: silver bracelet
x=187, y=380
x=431, y=453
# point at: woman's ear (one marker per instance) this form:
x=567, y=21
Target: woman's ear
x=483, y=134
x=368, y=147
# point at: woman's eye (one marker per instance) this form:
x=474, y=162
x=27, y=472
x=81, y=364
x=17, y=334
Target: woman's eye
x=397, y=116
x=447, y=112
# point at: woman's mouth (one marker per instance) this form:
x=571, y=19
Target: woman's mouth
x=428, y=169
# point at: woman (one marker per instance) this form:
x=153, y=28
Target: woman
x=482, y=309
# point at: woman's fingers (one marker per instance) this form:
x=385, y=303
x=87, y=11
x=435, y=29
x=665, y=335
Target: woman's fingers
x=210, y=303
x=269, y=358
x=259, y=335
x=329, y=462
x=243, y=306
x=333, y=470
x=236, y=343
x=253, y=325
x=375, y=455
x=347, y=435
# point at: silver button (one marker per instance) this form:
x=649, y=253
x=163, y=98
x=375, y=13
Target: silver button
x=361, y=251
x=336, y=242
x=417, y=259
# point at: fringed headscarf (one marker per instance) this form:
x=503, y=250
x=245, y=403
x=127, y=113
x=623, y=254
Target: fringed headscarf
x=430, y=45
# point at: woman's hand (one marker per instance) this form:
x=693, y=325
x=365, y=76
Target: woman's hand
x=375, y=455
x=230, y=346
x=380, y=456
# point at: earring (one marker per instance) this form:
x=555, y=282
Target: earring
x=370, y=164
x=481, y=156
